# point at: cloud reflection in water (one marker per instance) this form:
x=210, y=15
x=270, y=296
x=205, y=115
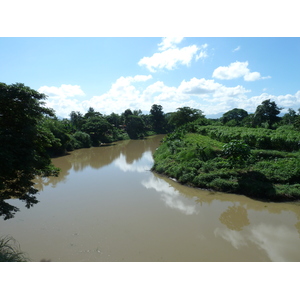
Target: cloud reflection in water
x=141, y=165
x=169, y=195
x=281, y=243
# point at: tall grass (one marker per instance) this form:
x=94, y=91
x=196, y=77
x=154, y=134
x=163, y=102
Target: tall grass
x=10, y=250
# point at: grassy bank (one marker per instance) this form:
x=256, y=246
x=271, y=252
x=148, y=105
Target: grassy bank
x=204, y=162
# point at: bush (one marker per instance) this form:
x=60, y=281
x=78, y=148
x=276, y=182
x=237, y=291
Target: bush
x=284, y=170
x=236, y=151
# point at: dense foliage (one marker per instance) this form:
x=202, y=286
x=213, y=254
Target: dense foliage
x=252, y=154
x=23, y=143
x=261, y=163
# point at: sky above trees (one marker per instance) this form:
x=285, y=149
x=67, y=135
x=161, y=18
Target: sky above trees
x=113, y=74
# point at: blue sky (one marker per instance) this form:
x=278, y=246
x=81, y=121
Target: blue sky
x=111, y=74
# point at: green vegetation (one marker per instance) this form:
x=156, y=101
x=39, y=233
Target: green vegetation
x=23, y=145
x=10, y=251
x=255, y=155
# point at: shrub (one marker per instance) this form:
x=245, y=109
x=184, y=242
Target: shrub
x=83, y=138
x=236, y=151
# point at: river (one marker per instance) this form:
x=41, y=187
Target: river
x=106, y=205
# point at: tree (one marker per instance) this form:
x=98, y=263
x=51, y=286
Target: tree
x=266, y=114
x=76, y=119
x=185, y=115
x=62, y=138
x=236, y=114
x=289, y=117
x=23, y=143
x=114, y=119
x=92, y=113
x=157, y=118
x=98, y=128
x=126, y=114
x=135, y=126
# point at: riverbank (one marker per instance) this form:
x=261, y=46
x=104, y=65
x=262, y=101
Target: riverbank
x=200, y=161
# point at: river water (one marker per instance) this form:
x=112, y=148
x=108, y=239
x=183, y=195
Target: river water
x=106, y=205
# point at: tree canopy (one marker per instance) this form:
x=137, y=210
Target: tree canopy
x=23, y=143
x=267, y=112
x=185, y=115
x=236, y=114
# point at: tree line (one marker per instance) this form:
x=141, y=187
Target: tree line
x=30, y=134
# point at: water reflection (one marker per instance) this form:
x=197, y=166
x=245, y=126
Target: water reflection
x=170, y=196
x=128, y=155
x=272, y=228
x=141, y=165
x=280, y=242
x=106, y=198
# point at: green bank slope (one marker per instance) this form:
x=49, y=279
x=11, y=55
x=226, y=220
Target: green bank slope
x=262, y=164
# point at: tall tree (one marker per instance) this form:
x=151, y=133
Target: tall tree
x=236, y=114
x=23, y=143
x=157, y=118
x=92, y=113
x=135, y=126
x=98, y=128
x=289, y=117
x=266, y=113
x=185, y=115
x=76, y=119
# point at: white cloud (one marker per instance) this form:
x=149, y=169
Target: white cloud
x=169, y=42
x=202, y=53
x=61, y=99
x=172, y=56
x=252, y=76
x=236, y=70
x=198, y=86
x=65, y=90
x=135, y=92
x=236, y=49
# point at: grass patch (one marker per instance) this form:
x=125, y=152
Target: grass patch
x=198, y=160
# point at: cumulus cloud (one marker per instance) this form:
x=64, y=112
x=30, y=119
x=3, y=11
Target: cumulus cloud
x=65, y=90
x=171, y=56
x=198, y=86
x=61, y=99
x=236, y=49
x=202, y=53
x=236, y=70
x=140, y=92
x=169, y=42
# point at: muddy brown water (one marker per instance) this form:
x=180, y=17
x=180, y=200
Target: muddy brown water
x=107, y=205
